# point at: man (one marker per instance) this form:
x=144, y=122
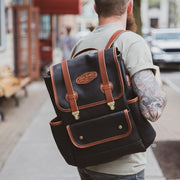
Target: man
x=115, y=15
x=67, y=41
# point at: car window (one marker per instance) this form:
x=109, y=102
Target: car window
x=167, y=36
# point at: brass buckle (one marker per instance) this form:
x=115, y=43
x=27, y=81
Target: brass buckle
x=76, y=115
x=111, y=105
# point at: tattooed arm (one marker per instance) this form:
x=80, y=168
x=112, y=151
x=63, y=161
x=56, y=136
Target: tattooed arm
x=151, y=97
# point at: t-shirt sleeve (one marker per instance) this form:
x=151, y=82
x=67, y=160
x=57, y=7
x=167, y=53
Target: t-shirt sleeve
x=138, y=57
x=75, y=48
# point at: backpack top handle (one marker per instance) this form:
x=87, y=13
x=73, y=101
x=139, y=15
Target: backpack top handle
x=109, y=44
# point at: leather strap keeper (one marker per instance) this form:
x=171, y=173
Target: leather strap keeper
x=106, y=85
x=71, y=96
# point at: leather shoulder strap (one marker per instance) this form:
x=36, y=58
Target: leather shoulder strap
x=113, y=38
x=106, y=86
x=71, y=95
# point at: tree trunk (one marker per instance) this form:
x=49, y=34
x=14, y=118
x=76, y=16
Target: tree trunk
x=137, y=15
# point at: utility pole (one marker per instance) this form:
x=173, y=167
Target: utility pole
x=137, y=15
x=174, y=14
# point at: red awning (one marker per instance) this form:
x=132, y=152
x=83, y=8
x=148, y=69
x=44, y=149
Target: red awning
x=58, y=6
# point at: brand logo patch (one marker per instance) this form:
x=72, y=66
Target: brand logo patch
x=86, y=78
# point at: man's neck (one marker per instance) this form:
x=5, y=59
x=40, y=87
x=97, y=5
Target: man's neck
x=120, y=20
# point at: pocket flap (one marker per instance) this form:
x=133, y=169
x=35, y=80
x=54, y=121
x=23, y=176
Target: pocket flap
x=100, y=130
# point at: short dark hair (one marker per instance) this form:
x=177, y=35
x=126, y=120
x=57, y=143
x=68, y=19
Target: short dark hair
x=107, y=8
x=68, y=29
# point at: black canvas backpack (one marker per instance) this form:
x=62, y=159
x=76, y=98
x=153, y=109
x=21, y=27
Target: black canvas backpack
x=98, y=117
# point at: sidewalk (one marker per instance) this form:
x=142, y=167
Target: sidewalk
x=36, y=156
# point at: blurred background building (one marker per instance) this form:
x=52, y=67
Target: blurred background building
x=160, y=13
x=30, y=29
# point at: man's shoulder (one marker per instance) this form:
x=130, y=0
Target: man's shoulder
x=99, y=38
x=131, y=37
x=92, y=40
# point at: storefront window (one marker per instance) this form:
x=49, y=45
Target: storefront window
x=45, y=26
x=154, y=4
x=17, y=2
x=2, y=25
x=21, y=2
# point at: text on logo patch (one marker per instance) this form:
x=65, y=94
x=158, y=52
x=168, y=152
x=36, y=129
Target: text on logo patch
x=86, y=78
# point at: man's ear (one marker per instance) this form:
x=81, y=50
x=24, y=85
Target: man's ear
x=130, y=7
x=95, y=8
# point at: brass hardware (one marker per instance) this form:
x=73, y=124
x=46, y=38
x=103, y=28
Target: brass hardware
x=111, y=105
x=76, y=115
x=120, y=127
x=81, y=137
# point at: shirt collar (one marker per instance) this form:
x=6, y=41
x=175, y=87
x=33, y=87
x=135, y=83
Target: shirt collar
x=99, y=28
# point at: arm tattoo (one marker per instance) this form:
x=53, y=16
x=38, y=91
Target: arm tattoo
x=152, y=99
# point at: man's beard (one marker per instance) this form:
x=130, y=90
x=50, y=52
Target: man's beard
x=131, y=23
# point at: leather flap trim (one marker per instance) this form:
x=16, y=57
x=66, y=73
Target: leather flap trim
x=133, y=100
x=113, y=127
x=55, y=122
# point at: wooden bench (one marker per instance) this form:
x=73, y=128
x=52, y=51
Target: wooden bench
x=10, y=85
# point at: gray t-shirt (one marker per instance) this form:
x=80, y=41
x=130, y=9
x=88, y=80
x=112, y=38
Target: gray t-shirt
x=137, y=57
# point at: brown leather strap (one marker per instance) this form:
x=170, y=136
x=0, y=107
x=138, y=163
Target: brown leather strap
x=106, y=86
x=83, y=50
x=113, y=38
x=71, y=94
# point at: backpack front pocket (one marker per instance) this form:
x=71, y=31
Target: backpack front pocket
x=100, y=130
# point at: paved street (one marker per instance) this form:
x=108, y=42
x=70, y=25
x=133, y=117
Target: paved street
x=18, y=119
x=36, y=157
x=168, y=125
x=172, y=78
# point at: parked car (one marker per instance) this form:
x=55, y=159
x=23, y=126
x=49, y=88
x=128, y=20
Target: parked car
x=165, y=48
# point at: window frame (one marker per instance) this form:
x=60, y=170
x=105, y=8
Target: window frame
x=2, y=26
